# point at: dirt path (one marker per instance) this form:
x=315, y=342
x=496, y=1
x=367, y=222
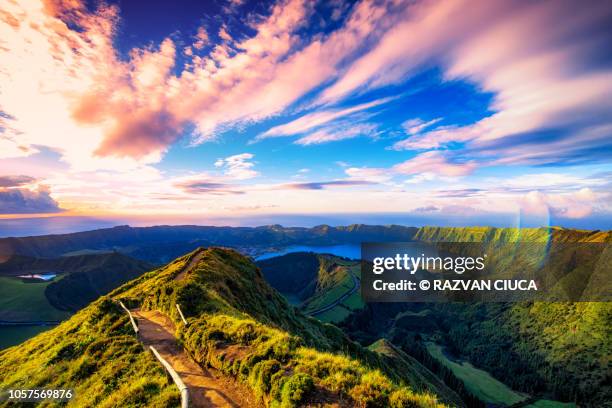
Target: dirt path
x=189, y=265
x=205, y=388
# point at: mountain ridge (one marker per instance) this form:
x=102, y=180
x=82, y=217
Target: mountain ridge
x=239, y=325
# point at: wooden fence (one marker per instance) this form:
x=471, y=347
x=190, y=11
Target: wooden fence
x=181, y=314
x=177, y=379
x=134, y=325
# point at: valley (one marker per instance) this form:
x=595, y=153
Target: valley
x=531, y=354
x=72, y=282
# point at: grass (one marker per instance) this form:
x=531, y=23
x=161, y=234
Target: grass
x=551, y=404
x=96, y=354
x=241, y=326
x=480, y=383
x=335, y=279
x=20, y=301
x=315, y=281
x=558, y=349
x=335, y=290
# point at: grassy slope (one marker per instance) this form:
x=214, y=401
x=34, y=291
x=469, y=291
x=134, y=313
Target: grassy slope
x=478, y=382
x=319, y=280
x=412, y=371
x=20, y=301
x=243, y=327
x=335, y=278
x=82, y=279
x=96, y=353
x=567, y=344
x=98, y=275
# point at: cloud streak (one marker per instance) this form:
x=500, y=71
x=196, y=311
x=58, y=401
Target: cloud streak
x=316, y=119
x=15, y=181
x=322, y=185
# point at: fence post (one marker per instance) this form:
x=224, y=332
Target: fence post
x=177, y=379
x=181, y=314
x=134, y=325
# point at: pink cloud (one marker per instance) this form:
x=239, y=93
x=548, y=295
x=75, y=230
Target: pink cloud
x=538, y=68
x=135, y=108
x=434, y=162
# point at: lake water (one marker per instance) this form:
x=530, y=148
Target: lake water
x=352, y=251
x=13, y=335
x=45, y=277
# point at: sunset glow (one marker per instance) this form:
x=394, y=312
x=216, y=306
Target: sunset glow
x=435, y=109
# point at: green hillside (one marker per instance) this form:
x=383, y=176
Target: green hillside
x=237, y=323
x=565, y=347
x=26, y=301
x=241, y=326
x=550, y=350
x=81, y=279
x=327, y=286
x=95, y=353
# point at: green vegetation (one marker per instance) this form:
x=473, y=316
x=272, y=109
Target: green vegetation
x=562, y=348
x=318, y=281
x=96, y=353
x=478, y=382
x=98, y=275
x=81, y=280
x=26, y=301
x=412, y=371
x=241, y=326
x=551, y=404
x=552, y=350
x=556, y=348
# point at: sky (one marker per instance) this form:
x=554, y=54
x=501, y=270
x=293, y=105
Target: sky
x=241, y=113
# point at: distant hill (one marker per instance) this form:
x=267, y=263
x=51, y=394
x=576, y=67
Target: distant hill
x=161, y=244
x=80, y=280
x=238, y=324
x=101, y=275
x=317, y=281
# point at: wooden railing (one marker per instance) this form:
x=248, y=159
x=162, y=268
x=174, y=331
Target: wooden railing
x=134, y=325
x=177, y=379
x=181, y=314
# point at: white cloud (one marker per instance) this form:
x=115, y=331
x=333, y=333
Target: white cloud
x=238, y=166
x=415, y=126
x=377, y=175
x=316, y=119
x=338, y=133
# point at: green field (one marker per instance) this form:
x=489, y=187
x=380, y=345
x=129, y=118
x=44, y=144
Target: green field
x=486, y=388
x=20, y=301
x=478, y=382
x=550, y=404
x=340, y=284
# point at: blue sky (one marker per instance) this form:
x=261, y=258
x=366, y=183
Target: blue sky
x=243, y=112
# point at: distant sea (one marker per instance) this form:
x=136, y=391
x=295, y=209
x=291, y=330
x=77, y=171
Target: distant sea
x=22, y=227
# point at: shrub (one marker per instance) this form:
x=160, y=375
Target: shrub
x=295, y=389
x=372, y=391
x=261, y=375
